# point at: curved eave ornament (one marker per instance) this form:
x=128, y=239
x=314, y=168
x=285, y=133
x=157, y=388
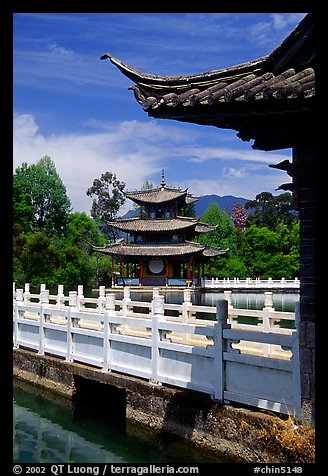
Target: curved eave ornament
x=211, y=252
x=145, y=251
x=275, y=92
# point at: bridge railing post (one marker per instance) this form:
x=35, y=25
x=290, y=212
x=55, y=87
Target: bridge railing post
x=186, y=311
x=125, y=305
x=157, y=315
x=27, y=294
x=60, y=300
x=109, y=328
x=102, y=299
x=80, y=297
x=18, y=299
x=43, y=317
x=228, y=296
x=219, y=348
x=266, y=319
x=72, y=304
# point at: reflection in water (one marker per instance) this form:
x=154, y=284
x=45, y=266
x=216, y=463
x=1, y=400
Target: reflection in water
x=51, y=429
x=281, y=301
x=242, y=300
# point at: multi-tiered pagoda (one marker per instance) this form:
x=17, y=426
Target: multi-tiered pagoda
x=157, y=250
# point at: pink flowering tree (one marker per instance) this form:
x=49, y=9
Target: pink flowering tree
x=239, y=217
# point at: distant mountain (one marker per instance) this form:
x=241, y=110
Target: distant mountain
x=226, y=202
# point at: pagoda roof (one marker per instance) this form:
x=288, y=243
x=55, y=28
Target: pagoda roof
x=156, y=195
x=269, y=99
x=204, y=228
x=159, y=250
x=139, y=225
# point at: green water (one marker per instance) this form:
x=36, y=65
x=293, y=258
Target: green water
x=51, y=429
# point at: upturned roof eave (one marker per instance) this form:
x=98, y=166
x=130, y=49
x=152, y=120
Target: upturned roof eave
x=187, y=248
x=161, y=81
x=137, y=225
x=272, y=61
x=156, y=196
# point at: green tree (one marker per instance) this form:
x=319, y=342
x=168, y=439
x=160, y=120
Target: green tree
x=23, y=211
x=223, y=237
x=270, y=253
x=48, y=195
x=39, y=258
x=268, y=210
x=108, y=191
x=83, y=232
x=75, y=267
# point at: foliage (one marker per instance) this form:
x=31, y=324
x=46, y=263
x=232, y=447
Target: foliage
x=51, y=245
x=271, y=253
x=83, y=232
x=66, y=258
x=108, y=191
x=38, y=256
x=269, y=211
x=258, y=251
x=223, y=236
x=47, y=193
x=23, y=211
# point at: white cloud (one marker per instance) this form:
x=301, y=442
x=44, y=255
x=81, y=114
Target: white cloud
x=284, y=20
x=80, y=158
x=136, y=151
x=203, y=154
x=233, y=172
x=273, y=30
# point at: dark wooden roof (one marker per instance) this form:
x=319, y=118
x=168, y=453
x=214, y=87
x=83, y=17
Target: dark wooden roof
x=157, y=195
x=138, y=225
x=159, y=250
x=269, y=100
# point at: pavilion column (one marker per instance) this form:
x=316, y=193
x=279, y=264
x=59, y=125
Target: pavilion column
x=188, y=269
x=303, y=161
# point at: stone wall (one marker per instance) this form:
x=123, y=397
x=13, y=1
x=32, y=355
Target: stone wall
x=244, y=434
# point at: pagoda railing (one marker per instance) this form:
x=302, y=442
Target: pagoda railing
x=182, y=282
x=170, y=344
x=251, y=284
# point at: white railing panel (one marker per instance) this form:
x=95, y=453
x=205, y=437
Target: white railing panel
x=260, y=382
x=194, y=369
x=231, y=362
x=259, y=403
x=28, y=334
x=55, y=340
x=87, y=346
x=131, y=358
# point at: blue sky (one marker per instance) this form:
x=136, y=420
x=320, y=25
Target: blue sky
x=72, y=106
